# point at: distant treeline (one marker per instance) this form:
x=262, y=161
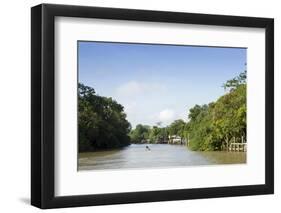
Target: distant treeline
x=103, y=123
x=210, y=126
x=157, y=134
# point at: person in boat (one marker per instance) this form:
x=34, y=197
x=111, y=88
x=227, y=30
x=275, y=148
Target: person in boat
x=147, y=148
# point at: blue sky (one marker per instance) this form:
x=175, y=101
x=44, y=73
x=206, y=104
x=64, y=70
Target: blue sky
x=158, y=83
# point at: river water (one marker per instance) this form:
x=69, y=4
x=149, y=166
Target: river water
x=159, y=155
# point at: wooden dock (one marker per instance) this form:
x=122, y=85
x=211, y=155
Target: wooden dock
x=238, y=147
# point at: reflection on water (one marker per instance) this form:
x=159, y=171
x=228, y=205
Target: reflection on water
x=160, y=155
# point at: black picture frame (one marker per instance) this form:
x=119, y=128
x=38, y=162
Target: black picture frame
x=43, y=102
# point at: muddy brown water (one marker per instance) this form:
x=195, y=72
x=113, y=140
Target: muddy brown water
x=159, y=155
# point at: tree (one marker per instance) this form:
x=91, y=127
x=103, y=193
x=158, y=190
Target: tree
x=140, y=133
x=177, y=128
x=102, y=121
x=237, y=81
x=229, y=114
x=213, y=126
x=154, y=134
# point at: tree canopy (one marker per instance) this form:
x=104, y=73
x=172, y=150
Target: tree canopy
x=212, y=126
x=140, y=134
x=102, y=121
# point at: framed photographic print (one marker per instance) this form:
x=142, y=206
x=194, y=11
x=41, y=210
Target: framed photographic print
x=139, y=106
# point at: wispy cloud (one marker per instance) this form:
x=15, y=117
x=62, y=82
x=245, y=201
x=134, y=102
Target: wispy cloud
x=134, y=88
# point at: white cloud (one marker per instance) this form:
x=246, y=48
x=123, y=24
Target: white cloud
x=134, y=88
x=166, y=116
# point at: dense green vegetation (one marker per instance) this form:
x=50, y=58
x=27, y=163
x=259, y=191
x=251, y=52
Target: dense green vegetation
x=102, y=121
x=103, y=124
x=213, y=126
